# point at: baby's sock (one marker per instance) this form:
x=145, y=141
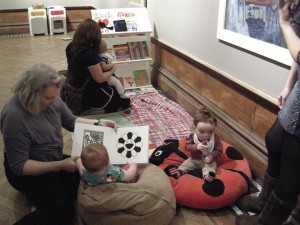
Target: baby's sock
x=173, y=171
x=209, y=177
x=124, y=95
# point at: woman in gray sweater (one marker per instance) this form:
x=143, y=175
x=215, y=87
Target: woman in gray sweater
x=31, y=123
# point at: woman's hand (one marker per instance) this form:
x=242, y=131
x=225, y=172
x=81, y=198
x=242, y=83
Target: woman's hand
x=109, y=123
x=102, y=122
x=69, y=164
x=34, y=168
x=282, y=97
x=285, y=9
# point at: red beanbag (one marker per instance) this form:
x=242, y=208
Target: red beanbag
x=232, y=179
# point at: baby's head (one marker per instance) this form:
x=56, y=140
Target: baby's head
x=103, y=46
x=94, y=157
x=205, y=123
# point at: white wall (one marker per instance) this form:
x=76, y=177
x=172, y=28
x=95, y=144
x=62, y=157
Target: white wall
x=23, y=4
x=191, y=27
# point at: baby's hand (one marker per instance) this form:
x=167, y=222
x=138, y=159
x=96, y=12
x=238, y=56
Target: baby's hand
x=129, y=165
x=201, y=147
x=208, y=159
x=126, y=166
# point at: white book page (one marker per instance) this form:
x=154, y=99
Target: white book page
x=128, y=144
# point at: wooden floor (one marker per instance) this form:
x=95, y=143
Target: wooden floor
x=18, y=54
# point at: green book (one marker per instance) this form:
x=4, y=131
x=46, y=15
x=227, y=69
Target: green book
x=141, y=78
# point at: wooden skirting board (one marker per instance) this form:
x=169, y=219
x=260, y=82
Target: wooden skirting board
x=15, y=21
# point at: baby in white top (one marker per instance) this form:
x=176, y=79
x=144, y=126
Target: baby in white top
x=106, y=58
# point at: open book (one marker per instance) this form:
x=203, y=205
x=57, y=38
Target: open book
x=128, y=144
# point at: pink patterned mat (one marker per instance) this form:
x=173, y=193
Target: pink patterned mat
x=165, y=118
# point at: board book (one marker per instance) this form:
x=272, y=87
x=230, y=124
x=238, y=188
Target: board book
x=141, y=78
x=121, y=52
x=128, y=144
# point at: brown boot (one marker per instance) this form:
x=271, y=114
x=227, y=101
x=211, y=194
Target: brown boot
x=256, y=203
x=275, y=212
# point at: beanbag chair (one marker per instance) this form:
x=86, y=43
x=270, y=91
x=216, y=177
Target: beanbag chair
x=233, y=177
x=149, y=201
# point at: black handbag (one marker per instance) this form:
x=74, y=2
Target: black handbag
x=73, y=97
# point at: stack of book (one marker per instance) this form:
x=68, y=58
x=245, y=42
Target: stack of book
x=139, y=78
x=138, y=50
x=121, y=52
x=131, y=51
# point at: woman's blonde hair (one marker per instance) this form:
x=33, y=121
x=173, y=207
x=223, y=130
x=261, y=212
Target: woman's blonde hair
x=94, y=157
x=31, y=83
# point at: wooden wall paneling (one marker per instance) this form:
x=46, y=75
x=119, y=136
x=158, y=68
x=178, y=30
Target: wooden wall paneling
x=263, y=120
x=75, y=15
x=235, y=104
x=14, y=22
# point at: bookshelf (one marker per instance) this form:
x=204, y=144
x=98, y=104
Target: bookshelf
x=127, y=32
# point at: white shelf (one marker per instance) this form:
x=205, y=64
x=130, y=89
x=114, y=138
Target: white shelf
x=127, y=25
x=138, y=15
x=133, y=61
x=146, y=86
x=126, y=33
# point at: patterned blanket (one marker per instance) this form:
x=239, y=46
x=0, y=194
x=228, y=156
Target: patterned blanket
x=165, y=118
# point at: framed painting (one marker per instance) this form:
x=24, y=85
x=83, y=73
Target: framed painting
x=253, y=25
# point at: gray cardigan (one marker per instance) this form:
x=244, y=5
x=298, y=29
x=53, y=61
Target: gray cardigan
x=36, y=137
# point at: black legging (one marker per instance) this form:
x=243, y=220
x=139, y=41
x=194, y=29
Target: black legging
x=53, y=194
x=284, y=162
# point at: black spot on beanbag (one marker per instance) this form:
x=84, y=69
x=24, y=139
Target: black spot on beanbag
x=215, y=188
x=234, y=154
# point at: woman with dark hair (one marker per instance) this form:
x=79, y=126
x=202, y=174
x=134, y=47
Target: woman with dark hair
x=31, y=123
x=84, y=62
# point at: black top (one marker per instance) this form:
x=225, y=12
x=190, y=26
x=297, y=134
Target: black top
x=96, y=95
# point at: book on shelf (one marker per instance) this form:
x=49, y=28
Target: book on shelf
x=139, y=90
x=141, y=78
x=104, y=19
x=130, y=20
x=115, y=21
x=121, y=80
x=131, y=51
x=138, y=50
x=134, y=91
x=127, y=81
x=120, y=25
x=121, y=52
x=132, y=25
